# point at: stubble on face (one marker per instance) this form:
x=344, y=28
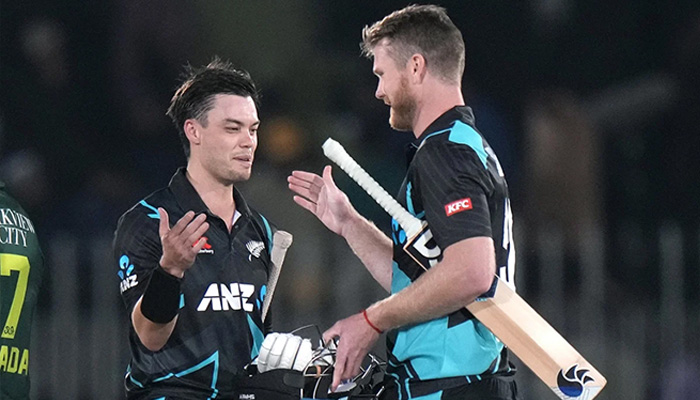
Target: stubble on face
x=226, y=154
x=240, y=176
x=231, y=172
x=403, y=108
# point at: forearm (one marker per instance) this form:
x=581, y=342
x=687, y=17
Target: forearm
x=155, y=313
x=425, y=299
x=447, y=287
x=371, y=246
x=152, y=335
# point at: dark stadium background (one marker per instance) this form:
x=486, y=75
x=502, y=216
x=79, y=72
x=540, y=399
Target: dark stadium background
x=592, y=106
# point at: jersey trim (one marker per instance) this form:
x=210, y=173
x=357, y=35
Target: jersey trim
x=465, y=134
x=154, y=214
x=213, y=360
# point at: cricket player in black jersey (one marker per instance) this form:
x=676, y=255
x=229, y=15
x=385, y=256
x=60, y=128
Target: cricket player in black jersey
x=21, y=270
x=437, y=349
x=193, y=258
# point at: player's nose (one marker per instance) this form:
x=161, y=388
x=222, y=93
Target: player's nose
x=249, y=140
x=379, y=93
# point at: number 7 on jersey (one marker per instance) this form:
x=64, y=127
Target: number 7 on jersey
x=20, y=264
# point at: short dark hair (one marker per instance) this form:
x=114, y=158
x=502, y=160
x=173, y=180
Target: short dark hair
x=423, y=29
x=195, y=96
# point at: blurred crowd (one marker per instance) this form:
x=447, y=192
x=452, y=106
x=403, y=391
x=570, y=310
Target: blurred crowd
x=592, y=106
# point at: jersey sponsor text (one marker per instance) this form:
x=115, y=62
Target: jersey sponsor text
x=13, y=236
x=223, y=297
x=14, y=227
x=10, y=217
x=127, y=283
x=458, y=206
x=125, y=270
x=206, y=249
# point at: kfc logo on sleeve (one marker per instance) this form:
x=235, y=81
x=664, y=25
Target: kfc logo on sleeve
x=458, y=206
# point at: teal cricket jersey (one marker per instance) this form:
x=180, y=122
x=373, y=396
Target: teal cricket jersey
x=455, y=183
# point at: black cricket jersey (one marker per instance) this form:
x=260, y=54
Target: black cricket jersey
x=455, y=183
x=219, y=328
x=21, y=270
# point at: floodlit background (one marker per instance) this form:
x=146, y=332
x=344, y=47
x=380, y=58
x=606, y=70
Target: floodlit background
x=593, y=108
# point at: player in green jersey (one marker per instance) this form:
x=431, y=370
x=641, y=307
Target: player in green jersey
x=21, y=267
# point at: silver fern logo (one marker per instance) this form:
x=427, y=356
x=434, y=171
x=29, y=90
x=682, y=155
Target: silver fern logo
x=255, y=248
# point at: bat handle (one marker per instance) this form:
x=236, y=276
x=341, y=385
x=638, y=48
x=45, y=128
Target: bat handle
x=281, y=241
x=336, y=153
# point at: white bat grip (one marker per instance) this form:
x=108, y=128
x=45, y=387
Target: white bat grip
x=336, y=153
x=280, y=243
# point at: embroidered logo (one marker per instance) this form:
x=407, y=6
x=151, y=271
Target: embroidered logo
x=255, y=248
x=458, y=206
x=207, y=249
x=125, y=274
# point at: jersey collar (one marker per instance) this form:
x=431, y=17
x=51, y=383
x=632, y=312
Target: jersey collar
x=446, y=120
x=443, y=122
x=189, y=199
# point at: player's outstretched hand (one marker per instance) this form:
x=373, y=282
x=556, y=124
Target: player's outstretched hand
x=182, y=242
x=322, y=197
x=356, y=339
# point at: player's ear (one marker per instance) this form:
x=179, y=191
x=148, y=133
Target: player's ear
x=417, y=68
x=192, y=131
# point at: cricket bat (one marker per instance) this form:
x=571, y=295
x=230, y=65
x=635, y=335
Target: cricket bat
x=281, y=241
x=534, y=341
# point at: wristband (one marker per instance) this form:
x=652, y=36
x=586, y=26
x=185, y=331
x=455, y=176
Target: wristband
x=364, y=313
x=161, y=299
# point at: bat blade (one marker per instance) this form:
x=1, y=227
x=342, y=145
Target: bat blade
x=537, y=344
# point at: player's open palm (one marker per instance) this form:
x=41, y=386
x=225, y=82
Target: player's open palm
x=322, y=197
x=182, y=242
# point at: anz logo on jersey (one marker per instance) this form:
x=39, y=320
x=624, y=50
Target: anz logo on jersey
x=125, y=270
x=224, y=297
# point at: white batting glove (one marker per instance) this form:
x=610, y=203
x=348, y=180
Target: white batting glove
x=284, y=351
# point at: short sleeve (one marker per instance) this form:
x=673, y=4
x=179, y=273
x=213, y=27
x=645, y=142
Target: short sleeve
x=136, y=253
x=454, y=187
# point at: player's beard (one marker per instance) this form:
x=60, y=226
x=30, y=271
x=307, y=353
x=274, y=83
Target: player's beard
x=403, y=108
x=239, y=175
x=226, y=172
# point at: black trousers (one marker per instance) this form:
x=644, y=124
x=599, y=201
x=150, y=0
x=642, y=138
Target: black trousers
x=492, y=388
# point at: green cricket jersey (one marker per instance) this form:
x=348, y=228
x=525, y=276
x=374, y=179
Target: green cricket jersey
x=21, y=267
